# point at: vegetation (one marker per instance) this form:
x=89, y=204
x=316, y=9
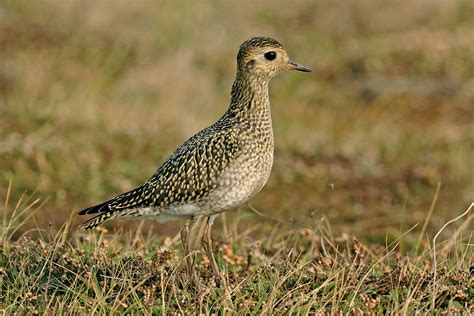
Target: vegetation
x=373, y=156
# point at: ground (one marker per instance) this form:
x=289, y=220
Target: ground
x=374, y=154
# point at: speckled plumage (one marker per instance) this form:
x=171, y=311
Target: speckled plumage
x=223, y=165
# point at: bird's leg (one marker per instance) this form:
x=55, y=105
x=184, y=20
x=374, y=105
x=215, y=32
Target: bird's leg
x=207, y=244
x=185, y=240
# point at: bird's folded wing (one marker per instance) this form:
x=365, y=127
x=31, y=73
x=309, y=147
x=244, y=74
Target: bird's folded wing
x=194, y=169
x=187, y=176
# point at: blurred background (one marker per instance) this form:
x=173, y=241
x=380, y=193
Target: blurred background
x=95, y=95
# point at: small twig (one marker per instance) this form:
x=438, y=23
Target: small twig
x=434, y=251
x=454, y=236
x=254, y=210
x=277, y=220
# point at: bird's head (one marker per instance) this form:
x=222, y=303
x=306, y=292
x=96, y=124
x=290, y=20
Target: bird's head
x=265, y=57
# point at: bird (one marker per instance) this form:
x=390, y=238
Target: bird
x=220, y=167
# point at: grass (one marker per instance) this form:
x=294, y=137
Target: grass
x=298, y=271
x=373, y=155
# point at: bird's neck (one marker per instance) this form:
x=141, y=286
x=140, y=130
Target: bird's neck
x=249, y=95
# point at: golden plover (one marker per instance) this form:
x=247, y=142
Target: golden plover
x=220, y=167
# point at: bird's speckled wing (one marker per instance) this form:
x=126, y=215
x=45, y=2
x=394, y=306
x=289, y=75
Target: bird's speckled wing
x=189, y=175
x=194, y=169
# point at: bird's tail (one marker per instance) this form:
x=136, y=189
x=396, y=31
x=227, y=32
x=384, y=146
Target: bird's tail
x=124, y=205
x=96, y=221
x=102, y=217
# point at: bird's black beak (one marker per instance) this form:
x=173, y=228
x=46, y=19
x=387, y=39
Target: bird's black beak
x=295, y=66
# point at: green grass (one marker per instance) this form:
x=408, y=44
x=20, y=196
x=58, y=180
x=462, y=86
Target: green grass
x=373, y=154
x=300, y=271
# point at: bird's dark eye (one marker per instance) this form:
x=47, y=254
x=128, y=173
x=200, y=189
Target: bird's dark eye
x=270, y=55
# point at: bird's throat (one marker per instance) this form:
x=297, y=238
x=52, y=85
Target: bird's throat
x=249, y=94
